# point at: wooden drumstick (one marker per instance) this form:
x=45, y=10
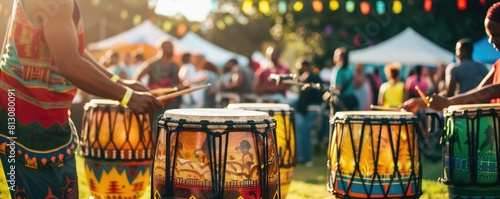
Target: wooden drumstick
x=383, y=108
x=161, y=91
x=182, y=92
x=422, y=95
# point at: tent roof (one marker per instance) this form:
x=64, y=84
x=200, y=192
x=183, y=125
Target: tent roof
x=146, y=32
x=484, y=52
x=213, y=53
x=407, y=47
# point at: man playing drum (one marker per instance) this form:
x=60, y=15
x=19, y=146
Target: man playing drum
x=488, y=89
x=43, y=64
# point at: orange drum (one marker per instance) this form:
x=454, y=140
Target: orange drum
x=117, y=147
x=374, y=154
x=216, y=153
x=285, y=136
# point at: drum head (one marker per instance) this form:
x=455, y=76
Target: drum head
x=460, y=109
x=217, y=116
x=260, y=106
x=102, y=102
x=360, y=115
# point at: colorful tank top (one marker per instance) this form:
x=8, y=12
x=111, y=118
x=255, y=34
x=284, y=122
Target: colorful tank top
x=35, y=102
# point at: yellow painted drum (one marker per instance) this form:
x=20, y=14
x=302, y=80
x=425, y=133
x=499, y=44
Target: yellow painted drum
x=215, y=153
x=374, y=155
x=471, y=151
x=285, y=133
x=117, y=147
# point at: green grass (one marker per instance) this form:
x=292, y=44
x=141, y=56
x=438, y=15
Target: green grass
x=307, y=182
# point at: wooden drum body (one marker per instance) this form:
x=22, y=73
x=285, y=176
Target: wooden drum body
x=471, y=151
x=117, y=147
x=374, y=155
x=215, y=153
x=285, y=134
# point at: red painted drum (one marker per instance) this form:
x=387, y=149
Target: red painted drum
x=215, y=153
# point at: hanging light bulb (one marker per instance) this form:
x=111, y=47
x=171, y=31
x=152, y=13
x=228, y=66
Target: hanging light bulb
x=462, y=4
x=215, y=5
x=334, y=5
x=195, y=27
x=350, y=6
x=380, y=7
x=298, y=5
x=264, y=6
x=167, y=26
x=181, y=29
x=123, y=14
x=317, y=5
x=397, y=6
x=483, y=1
x=282, y=7
x=137, y=19
x=247, y=6
x=428, y=5
x=364, y=7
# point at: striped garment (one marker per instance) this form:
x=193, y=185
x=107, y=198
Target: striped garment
x=43, y=132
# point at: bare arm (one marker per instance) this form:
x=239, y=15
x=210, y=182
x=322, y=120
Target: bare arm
x=452, y=86
x=61, y=36
x=381, y=95
x=488, y=79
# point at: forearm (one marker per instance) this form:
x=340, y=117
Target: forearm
x=90, y=79
x=482, y=94
x=88, y=56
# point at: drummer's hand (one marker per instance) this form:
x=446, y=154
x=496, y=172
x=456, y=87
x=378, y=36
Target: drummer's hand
x=134, y=85
x=413, y=105
x=141, y=103
x=439, y=103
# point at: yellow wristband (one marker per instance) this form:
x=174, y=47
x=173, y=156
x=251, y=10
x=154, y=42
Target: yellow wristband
x=115, y=78
x=126, y=97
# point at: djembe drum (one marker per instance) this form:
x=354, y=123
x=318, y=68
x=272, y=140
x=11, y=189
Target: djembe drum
x=117, y=147
x=285, y=133
x=471, y=151
x=215, y=153
x=374, y=155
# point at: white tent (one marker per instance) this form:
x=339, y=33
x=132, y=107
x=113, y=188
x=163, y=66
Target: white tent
x=145, y=33
x=213, y=53
x=408, y=47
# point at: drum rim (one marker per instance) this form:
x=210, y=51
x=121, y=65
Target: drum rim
x=94, y=103
x=359, y=116
x=260, y=119
x=472, y=108
x=260, y=106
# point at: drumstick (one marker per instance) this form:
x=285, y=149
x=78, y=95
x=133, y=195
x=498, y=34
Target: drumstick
x=161, y=91
x=182, y=92
x=422, y=95
x=383, y=108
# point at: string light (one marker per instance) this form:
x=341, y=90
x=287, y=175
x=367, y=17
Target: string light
x=298, y=5
x=317, y=5
x=462, y=4
x=264, y=6
x=247, y=6
x=334, y=5
x=181, y=29
x=167, y=26
x=350, y=6
x=428, y=5
x=397, y=6
x=282, y=7
x=137, y=19
x=380, y=7
x=364, y=7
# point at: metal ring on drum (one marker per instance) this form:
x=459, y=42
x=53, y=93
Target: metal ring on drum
x=117, y=148
x=216, y=153
x=285, y=137
x=471, y=151
x=374, y=154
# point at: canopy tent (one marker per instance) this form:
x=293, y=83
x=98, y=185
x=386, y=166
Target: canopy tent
x=407, y=47
x=144, y=37
x=213, y=53
x=484, y=52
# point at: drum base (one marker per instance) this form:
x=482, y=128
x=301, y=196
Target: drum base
x=473, y=192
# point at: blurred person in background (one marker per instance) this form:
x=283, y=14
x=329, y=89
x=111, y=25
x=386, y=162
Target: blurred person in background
x=265, y=88
x=113, y=64
x=362, y=88
x=326, y=72
x=415, y=79
x=391, y=93
x=137, y=61
x=343, y=80
x=192, y=74
x=212, y=78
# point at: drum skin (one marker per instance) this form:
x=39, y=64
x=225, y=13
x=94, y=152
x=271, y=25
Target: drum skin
x=285, y=133
x=470, y=151
x=206, y=164
x=117, y=149
x=370, y=156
